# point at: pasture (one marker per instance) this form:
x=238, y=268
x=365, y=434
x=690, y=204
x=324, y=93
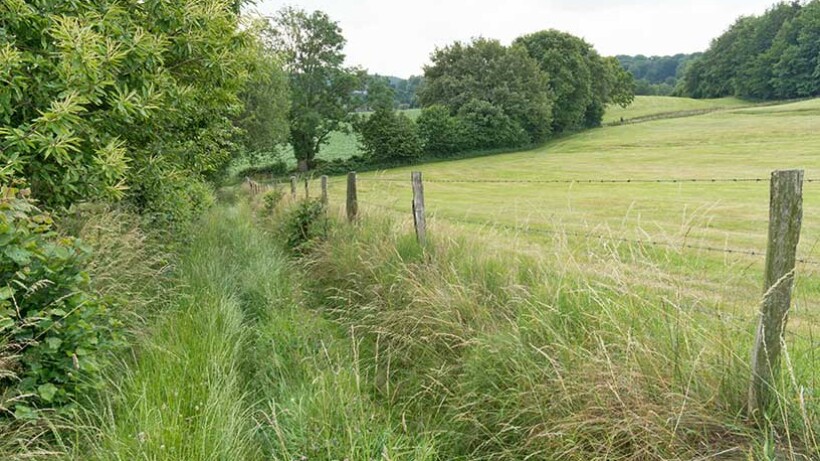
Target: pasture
x=668, y=106
x=586, y=220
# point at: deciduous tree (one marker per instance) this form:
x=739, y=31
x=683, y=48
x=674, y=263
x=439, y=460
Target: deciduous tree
x=321, y=87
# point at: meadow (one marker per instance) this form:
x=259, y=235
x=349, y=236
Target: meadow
x=538, y=322
x=668, y=106
x=531, y=217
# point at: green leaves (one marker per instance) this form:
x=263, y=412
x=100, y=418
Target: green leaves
x=321, y=88
x=47, y=315
x=89, y=91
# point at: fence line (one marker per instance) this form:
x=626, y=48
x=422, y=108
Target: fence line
x=577, y=181
x=594, y=236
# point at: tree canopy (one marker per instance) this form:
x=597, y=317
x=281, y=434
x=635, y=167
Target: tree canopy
x=321, y=87
x=463, y=76
x=656, y=75
x=772, y=56
x=110, y=99
x=582, y=82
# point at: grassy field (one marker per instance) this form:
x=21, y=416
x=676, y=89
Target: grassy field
x=650, y=106
x=539, y=325
x=742, y=143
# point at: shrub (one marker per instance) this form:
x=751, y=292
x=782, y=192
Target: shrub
x=52, y=328
x=440, y=132
x=303, y=225
x=271, y=199
x=487, y=127
x=386, y=135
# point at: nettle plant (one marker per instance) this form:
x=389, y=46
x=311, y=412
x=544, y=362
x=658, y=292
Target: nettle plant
x=52, y=327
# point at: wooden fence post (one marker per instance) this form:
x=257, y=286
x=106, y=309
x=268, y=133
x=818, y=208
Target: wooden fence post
x=293, y=188
x=323, y=182
x=418, y=208
x=352, y=198
x=785, y=217
x=307, y=189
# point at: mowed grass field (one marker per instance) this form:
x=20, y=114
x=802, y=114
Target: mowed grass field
x=651, y=106
x=585, y=225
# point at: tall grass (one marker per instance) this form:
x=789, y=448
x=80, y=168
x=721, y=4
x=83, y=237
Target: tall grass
x=234, y=368
x=504, y=357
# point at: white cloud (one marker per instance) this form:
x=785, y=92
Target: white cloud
x=396, y=38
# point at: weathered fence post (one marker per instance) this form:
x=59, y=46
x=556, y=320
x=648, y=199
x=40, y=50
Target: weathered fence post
x=323, y=182
x=418, y=208
x=293, y=187
x=785, y=217
x=352, y=198
x=307, y=189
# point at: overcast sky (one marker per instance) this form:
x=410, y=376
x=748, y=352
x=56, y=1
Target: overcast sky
x=395, y=38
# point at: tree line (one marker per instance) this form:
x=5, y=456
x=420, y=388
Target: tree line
x=482, y=95
x=772, y=56
x=656, y=75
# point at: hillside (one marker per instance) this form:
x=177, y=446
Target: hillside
x=740, y=143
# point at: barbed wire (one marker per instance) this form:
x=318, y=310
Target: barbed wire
x=576, y=181
x=594, y=236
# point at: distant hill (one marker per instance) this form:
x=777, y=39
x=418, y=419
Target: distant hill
x=656, y=75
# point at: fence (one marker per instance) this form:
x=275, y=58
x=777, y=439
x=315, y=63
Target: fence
x=785, y=222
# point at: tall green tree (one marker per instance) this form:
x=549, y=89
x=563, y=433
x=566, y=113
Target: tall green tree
x=772, y=56
x=582, y=81
x=264, y=118
x=321, y=87
x=465, y=76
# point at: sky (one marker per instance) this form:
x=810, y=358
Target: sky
x=396, y=38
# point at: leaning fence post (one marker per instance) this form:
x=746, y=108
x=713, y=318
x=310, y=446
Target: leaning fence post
x=293, y=187
x=352, y=198
x=418, y=208
x=785, y=217
x=323, y=182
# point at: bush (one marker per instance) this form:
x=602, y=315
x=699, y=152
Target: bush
x=441, y=133
x=271, y=199
x=487, y=127
x=386, y=135
x=304, y=225
x=52, y=328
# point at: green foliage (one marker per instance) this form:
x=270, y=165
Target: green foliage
x=115, y=98
x=441, y=134
x=380, y=94
x=321, y=87
x=406, y=91
x=488, y=127
x=265, y=99
x=386, y=135
x=304, y=225
x=583, y=83
x=483, y=73
x=271, y=199
x=773, y=56
x=52, y=328
x=656, y=75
